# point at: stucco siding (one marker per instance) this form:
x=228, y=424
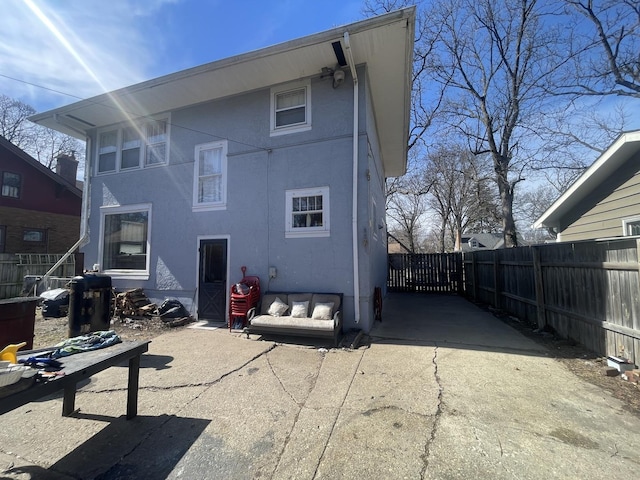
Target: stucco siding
x=260, y=169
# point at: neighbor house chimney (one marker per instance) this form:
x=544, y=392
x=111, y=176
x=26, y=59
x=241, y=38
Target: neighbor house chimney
x=67, y=167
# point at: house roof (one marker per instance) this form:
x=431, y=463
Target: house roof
x=489, y=241
x=626, y=146
x=18, y=152
x=384, y=43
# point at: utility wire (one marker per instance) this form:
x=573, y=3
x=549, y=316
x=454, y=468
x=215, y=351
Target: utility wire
x=137, y=115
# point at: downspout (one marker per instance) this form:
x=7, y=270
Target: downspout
x=84, y=214
x=354, y=212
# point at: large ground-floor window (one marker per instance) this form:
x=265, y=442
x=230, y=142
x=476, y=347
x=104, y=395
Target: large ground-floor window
x=125, y=239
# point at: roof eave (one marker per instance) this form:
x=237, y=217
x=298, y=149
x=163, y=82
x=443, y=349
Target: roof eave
x=626, y=145
x=263, y=68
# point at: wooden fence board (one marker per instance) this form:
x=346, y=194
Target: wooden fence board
x=587, y=291
x=425, y=273
x=14, y=267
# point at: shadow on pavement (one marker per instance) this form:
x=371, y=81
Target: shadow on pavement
x=121, y=449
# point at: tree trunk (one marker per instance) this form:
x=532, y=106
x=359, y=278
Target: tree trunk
x=506, y=204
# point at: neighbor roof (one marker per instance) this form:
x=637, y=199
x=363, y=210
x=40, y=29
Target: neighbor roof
x=627, y=145
x=384, y=43
x=18, y=152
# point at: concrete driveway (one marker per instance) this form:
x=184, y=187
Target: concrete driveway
x=443, y=391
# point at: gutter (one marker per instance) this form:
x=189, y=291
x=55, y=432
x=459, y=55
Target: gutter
x=354, y=212
x=84, y=214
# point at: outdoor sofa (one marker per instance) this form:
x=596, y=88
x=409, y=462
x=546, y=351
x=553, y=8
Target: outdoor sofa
x=300, y=314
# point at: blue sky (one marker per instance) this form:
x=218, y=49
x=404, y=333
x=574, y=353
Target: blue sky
x=91, y=46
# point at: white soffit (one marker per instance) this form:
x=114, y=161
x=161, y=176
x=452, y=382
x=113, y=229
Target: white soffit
x=384, y=43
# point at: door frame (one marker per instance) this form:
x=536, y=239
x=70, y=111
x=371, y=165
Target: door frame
x=199, y=238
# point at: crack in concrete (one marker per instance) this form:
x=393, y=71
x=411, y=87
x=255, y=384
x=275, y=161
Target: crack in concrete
x=186, y=385
x=436, y=420
x=297, y=415
x=282, y=384
x=335, y=420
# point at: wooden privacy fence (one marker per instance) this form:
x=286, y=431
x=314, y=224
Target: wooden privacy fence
x=14, y=267
x=587, y=291
x=425, y=272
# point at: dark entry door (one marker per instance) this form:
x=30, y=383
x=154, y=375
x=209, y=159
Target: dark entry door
x=212, y=283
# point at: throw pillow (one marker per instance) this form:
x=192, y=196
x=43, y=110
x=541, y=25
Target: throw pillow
x=277, y=308
x=299, y=309
x=322, y=311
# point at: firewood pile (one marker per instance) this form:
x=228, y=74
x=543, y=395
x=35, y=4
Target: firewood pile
x=134, y=304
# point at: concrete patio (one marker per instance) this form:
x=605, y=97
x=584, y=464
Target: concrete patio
x=444, y=390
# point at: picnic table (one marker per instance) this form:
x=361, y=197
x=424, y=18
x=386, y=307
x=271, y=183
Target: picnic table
x=79, y=367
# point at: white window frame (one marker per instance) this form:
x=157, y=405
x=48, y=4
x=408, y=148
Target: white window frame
x=301, y=232
x=119, y=209
x=145, y=147
x=222, y=203
x=626, y=223
x=297, y=127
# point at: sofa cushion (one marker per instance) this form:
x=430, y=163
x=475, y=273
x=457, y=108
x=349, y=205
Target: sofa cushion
x=291, y=322
x=326, y=298
x=299, y=309
x=269, y=298
x=277, y=308
x=323, y=311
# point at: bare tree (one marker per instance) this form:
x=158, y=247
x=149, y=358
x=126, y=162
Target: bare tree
x=497, y=58
x=531, y=204
x=461, y=194
x=607, y=60
x=406, y=208
x=42, y=143
x=14, y=125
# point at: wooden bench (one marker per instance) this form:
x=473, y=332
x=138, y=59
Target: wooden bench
x=79, y=367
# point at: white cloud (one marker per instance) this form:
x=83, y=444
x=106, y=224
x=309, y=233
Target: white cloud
x=112, y=44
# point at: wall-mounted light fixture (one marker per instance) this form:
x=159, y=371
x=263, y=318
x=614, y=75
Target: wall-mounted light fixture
x=337, y=74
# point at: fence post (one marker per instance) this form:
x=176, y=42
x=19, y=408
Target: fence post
x=496, y=279
x=539, y=288
x=474, y=274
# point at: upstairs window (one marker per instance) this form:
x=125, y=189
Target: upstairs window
x=156, y=133
x=107, y=151
x=133, y=146
x=210, y=182
x=291, y=108
x=307, y=212
x=11, y=184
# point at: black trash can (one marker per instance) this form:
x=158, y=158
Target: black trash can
x=89, y=304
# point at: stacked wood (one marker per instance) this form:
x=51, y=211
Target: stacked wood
x=134, y=304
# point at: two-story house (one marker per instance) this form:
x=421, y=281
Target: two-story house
x=275, y=160
x=39, y=208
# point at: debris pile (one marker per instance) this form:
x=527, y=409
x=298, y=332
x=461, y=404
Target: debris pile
x=134, y=304
x=173, y=313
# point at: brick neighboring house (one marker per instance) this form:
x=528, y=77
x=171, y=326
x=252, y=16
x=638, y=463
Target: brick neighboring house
x=39, y=209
